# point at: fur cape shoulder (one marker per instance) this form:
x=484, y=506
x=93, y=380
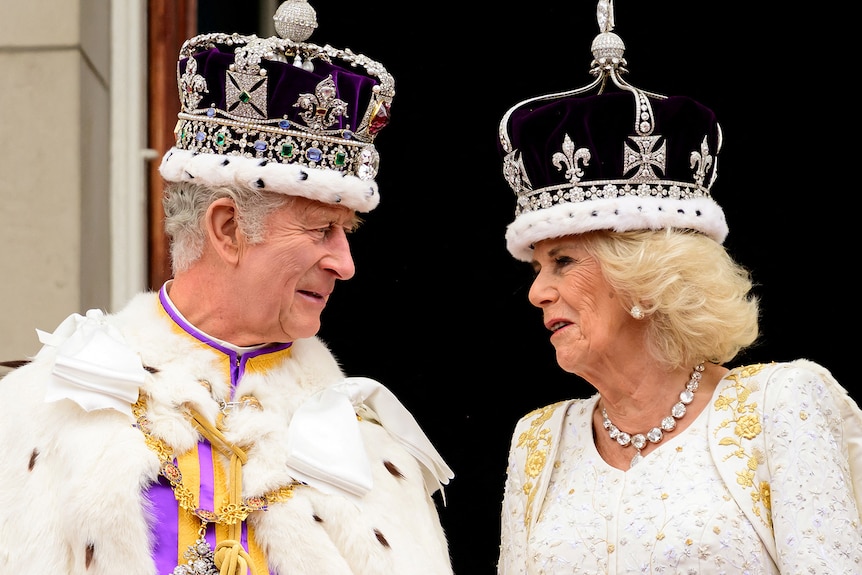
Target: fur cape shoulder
x=73, y=485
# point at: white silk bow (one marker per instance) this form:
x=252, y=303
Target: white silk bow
x=325, y=448
x=93, y=367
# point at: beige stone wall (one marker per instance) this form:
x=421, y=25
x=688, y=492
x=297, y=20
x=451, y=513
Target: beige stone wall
x=54, y=166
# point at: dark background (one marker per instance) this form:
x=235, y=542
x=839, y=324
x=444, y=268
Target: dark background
x=438, y=311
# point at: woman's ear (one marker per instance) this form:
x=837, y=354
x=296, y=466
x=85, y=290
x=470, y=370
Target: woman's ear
x=222, y=229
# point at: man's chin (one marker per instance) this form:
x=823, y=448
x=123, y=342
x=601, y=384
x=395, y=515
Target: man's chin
x=305, y=330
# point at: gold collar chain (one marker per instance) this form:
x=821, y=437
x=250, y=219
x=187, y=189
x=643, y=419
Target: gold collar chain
x=229, y=557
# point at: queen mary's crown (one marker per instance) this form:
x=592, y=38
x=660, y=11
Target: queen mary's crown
x=609, y=156
x=280, y=114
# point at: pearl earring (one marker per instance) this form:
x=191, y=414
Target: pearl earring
x=637, y=312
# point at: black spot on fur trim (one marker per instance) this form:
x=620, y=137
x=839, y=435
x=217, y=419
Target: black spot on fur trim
x=391, y=468
x=189, y=176
x=381, y=538
x=697, y=212
x=263, y=163
x=317, y=518
x=225, y=162
x=259, y=183
x=303, y=175
x=33, y=457
x=151, y=369
x=88, y=554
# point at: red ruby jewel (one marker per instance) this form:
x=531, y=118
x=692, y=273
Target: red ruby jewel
x=380, y=118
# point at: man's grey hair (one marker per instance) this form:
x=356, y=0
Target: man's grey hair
x=185, y=205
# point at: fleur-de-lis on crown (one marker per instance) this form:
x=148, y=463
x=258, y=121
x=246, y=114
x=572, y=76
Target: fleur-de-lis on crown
x=571, y=158
x=321, y=108
x=515, y=173
x=192, y=85
x=701, y=162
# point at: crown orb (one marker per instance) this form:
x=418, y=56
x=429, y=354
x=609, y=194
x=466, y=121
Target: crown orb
x=295, y=20
x=608, y=46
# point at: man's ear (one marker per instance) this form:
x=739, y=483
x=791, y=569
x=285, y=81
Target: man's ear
x=222, y=229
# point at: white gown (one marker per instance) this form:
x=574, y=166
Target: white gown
x=565, y=510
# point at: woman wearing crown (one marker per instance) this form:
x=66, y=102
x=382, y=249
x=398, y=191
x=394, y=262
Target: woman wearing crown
x=680, y=462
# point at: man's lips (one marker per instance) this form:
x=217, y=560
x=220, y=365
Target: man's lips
x=323, y=296
x=557, y=324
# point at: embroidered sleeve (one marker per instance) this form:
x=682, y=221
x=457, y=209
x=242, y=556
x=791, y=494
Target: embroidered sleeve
x=814, y=515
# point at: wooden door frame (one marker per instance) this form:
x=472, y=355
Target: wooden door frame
x=169, y=24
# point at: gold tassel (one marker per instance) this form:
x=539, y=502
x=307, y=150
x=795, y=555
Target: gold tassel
x=230, y=557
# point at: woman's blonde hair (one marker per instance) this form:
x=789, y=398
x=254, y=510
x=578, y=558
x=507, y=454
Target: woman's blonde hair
x=696, y=298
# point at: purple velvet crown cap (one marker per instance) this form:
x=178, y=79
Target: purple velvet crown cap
x=619, y=160
x=286, y=83
x=280, y=114
x=604, y=126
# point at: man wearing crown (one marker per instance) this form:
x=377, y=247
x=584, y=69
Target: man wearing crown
x=205, y=429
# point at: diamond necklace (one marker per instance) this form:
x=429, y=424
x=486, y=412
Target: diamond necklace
x=654, y=435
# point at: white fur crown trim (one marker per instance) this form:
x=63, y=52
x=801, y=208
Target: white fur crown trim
x=324, y=185
x=620, y=214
